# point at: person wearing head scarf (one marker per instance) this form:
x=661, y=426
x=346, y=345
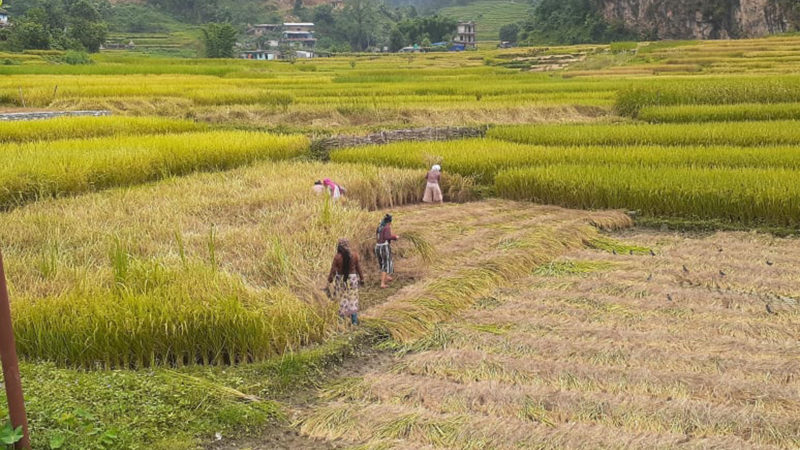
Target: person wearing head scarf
x=334, y=189
x=346, y=276
x=318, y=187
x=433, y=193
x=383, y=249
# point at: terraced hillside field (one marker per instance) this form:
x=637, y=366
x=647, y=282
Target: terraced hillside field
x=489, y=15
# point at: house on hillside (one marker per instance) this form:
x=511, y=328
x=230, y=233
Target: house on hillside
x=274, y=41
x=465, y=35
x=259, y=55
x=299, y=35
x=264, y=29
x=3, y=18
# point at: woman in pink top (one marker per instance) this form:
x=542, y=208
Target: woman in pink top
x=433, y=193
x=333, y=189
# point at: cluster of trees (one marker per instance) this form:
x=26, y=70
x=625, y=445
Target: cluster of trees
x=219, y=40
x=422, y=31
x=238, y=12
x=363, y=24
x=59, y=24
x=566, y=22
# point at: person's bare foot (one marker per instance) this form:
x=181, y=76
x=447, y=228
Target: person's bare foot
x=383, y=286
x=388, y=278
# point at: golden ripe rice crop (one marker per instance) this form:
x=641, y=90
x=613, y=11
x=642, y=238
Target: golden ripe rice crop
x=722, y=133
x=87, y=127
x=722, y=90
x=38, y=170
x=483, y=158
x=207, y=268
x=720, y=113
x=743, y=196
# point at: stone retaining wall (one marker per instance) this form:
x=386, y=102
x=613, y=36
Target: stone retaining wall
x=322, y=146
x=8, y=117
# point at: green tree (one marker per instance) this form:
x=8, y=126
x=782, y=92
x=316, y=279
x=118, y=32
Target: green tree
x=86, y=26
x=27, y=34
x=360, y=22
x=397, y=40
x=572, y=22
x=298, y=9
x=509, y=32
x=436, y=28
x=219, y=40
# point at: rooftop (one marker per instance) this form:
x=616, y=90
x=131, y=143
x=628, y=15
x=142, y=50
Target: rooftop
x=298, y=24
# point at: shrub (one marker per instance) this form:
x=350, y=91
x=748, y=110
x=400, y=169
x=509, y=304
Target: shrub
x=74, y=57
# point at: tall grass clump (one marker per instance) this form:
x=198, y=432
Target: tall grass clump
x=723, y=133
x=744, y=196
x=715, y=91
x=86, y=127
x=37, y=170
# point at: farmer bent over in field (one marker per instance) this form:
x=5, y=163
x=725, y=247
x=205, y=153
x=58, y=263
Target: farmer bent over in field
x=433, y=193
x=327, y=185
x=346, y=276
x=383, y=250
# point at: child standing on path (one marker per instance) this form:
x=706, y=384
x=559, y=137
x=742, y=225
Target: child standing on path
x=383, y=249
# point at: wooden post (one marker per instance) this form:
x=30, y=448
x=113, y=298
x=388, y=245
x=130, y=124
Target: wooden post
x=8, y=354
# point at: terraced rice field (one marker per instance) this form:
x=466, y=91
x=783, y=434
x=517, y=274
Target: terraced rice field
x=175, y=251
x=596, y=348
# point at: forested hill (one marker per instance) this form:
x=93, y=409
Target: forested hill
x=174, y=26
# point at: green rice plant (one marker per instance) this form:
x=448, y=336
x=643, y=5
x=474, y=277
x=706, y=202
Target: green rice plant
x=744, y=196
x=621, y=47
x=652, y=47
x=87, y=127
x=720, y=113
x=723, y=133
x=51, y=169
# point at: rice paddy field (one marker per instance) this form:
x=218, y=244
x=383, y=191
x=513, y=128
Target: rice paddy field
x=613, y=267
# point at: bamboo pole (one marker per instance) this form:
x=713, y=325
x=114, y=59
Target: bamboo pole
x=8, y=354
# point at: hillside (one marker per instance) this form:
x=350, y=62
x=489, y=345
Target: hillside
x=708, y=19
x=489, y=15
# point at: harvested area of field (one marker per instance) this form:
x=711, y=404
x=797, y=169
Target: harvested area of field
x=694, y=345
